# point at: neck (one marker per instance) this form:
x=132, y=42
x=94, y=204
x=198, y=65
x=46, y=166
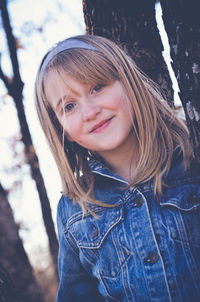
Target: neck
x=123, y=160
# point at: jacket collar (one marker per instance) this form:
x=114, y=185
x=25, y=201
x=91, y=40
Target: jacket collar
x=176, y=175
x=100, y=168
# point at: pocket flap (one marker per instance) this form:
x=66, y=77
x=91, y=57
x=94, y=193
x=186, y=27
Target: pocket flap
x=90, y=232
x=184, y=197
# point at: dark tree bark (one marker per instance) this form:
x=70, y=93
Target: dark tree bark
x=15, y=88
x=133, y=24
x=8, y=291
x=17, y=282
x=182, y=23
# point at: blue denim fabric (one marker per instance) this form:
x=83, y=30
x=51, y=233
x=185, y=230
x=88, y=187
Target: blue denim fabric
x=145, y=249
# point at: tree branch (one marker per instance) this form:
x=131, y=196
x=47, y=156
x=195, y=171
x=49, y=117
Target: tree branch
x=11, y=45
x=4, y=79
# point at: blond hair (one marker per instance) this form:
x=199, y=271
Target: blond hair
x=158, y=129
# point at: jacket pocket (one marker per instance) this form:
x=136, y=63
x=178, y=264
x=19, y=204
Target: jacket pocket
x=101, y=241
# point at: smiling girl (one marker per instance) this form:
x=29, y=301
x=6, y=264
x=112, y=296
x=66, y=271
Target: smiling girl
x=128, y=219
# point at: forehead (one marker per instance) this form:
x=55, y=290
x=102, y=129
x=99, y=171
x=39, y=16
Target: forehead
x=52, y=80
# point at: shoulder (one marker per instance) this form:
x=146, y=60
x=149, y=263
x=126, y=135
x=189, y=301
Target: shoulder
x=67, y=209
x=182, y=186
x=179, y=175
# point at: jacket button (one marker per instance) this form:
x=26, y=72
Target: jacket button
x=126, y=252
x=138, y=202
x=152, y=258
x=194, y=198
x=94, y=232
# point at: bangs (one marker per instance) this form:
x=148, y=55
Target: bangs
x=85, y=66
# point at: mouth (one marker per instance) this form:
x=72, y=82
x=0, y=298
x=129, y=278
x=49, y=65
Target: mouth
x=101, y=126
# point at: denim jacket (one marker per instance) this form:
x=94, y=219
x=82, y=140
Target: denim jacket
x=144, y=249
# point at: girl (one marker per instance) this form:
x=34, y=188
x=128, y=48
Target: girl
x=128, y=219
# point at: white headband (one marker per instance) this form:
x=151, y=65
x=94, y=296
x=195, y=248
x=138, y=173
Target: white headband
x=62, y=46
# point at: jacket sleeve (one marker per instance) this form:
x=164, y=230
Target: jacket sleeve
x=76, y=285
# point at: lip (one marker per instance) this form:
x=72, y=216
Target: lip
x=101, y=125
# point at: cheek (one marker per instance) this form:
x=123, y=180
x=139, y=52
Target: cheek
x=130, y=113
x=71, y=127
x=72, y=132
x=126, y=109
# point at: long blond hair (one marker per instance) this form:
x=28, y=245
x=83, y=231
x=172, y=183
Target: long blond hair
x=158, y=129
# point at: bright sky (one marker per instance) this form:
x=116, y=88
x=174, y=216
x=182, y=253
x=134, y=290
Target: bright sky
x=38, y=24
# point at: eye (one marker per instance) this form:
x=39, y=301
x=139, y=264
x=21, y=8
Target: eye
x=97, y=88
x=69, y=107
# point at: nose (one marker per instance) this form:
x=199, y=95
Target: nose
x=90, y=111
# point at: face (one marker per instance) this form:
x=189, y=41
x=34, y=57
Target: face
x=97, y=117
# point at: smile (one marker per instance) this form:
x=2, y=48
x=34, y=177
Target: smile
x=101, y=126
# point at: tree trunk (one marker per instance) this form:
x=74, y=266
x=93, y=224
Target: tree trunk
x=8, y=291
x=14, y=260
x=15, y=88
x=132, y=23
x=182, y=23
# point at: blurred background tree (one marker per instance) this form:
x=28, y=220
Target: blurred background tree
x=14, y=87
x=182, y=24
x=13, y=259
